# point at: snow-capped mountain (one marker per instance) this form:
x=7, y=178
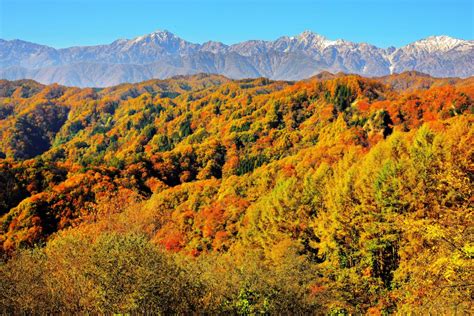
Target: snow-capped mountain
x=440, y=56
x=162, y=54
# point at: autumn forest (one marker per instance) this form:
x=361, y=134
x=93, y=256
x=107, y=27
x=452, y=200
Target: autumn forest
x=334, y=195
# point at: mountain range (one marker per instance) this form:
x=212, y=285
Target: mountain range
x=162, y=54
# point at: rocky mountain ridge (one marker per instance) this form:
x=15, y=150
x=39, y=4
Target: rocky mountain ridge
x=162, y=54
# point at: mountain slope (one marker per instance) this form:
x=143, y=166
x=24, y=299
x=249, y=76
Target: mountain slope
x=162, y=54
x=337, y=194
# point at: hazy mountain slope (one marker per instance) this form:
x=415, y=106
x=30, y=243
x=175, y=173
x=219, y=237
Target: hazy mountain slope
x=25, y=54
x=162, y=54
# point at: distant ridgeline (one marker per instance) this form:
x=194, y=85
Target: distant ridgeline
x=338, y=194
x=161, y=55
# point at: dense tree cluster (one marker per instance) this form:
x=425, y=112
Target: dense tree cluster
x=338, y=194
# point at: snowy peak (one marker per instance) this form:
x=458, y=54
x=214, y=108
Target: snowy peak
x=309, y=36
x=162, y=33
x=309, y=39
x=160, y=42
x=441, y=43
x=157, y=36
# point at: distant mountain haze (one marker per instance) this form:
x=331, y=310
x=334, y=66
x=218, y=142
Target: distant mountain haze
x=162, y=54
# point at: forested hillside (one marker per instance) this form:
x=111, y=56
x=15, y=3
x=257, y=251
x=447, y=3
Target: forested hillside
x=334, y=195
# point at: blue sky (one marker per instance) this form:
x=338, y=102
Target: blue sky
x=62, y=23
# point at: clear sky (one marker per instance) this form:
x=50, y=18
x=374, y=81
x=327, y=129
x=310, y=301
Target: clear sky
x=62, y=23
